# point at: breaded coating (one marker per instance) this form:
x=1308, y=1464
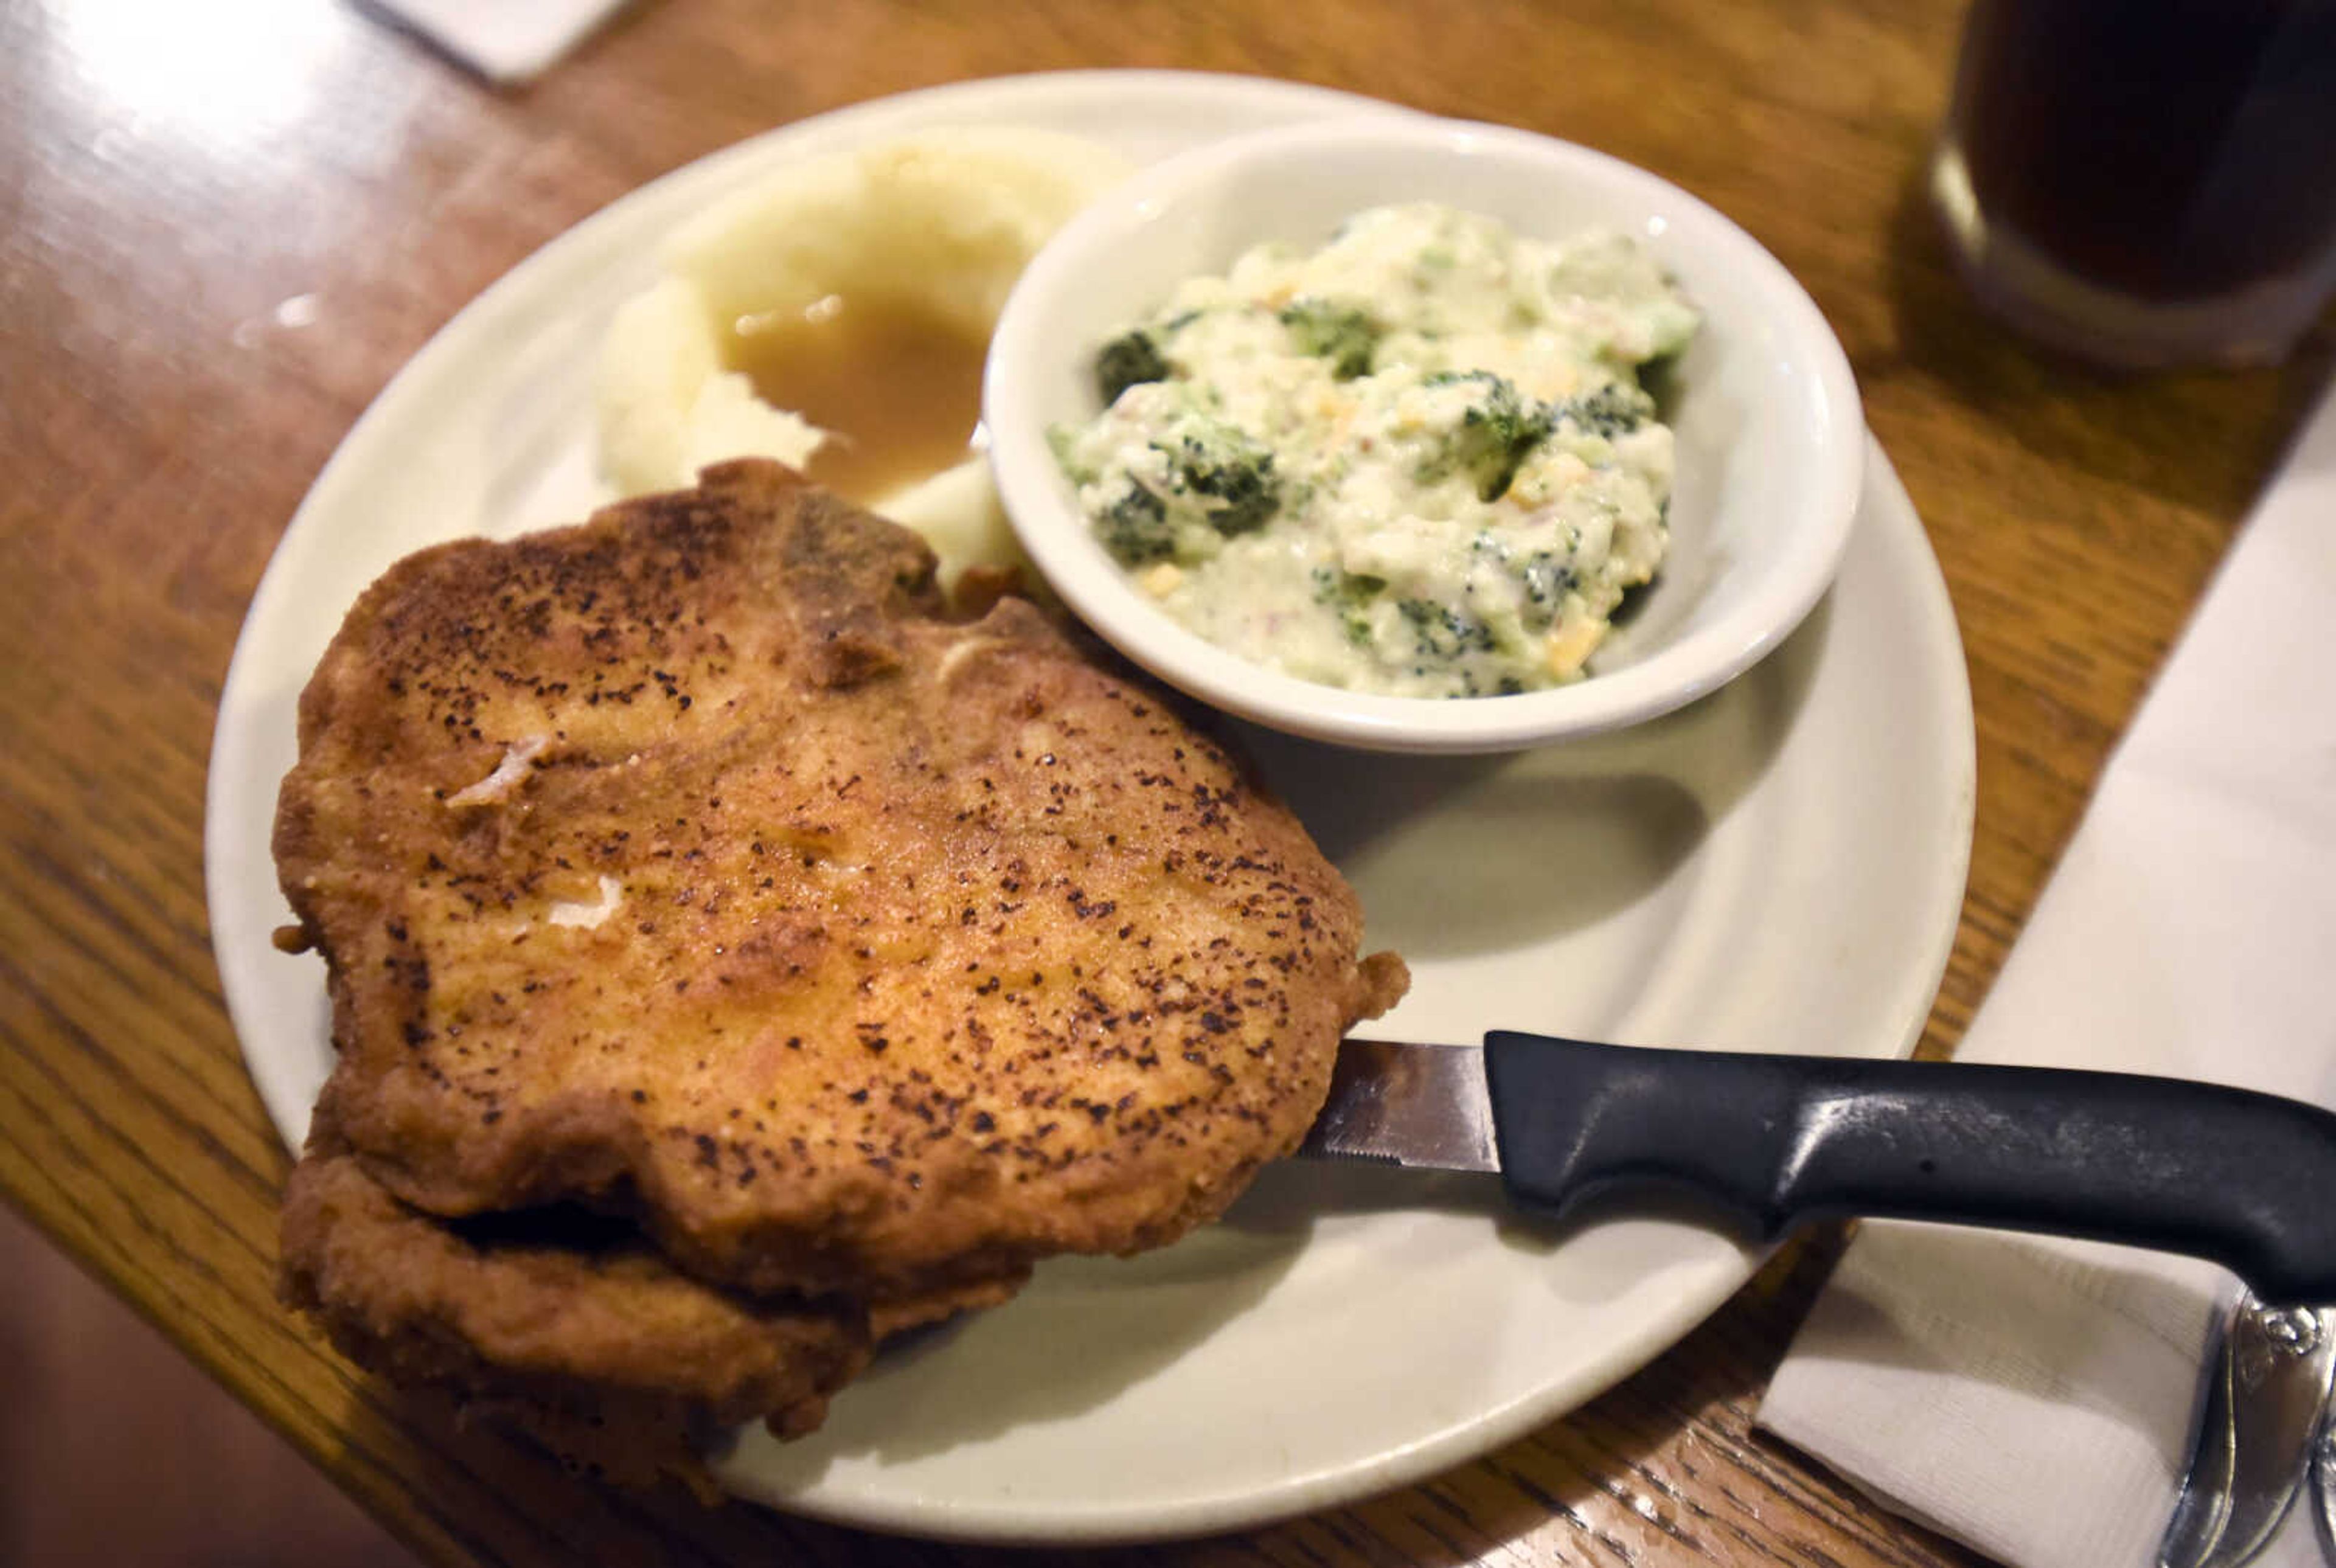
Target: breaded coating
x=569, y=1324
x=692, y=860
x=520, y=1318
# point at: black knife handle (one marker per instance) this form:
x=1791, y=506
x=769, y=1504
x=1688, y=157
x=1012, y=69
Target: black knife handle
x=2245, y=1178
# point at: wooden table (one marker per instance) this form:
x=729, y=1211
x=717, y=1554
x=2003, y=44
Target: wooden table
x=226, y=226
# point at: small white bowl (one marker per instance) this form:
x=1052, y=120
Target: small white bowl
x=1770, y=437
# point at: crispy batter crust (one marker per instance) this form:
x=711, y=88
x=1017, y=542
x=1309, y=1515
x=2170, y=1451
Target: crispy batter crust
x=691, y=859
x=602, y=1351
x=566, y=1340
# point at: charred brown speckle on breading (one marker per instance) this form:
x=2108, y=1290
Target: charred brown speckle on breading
x=691, y=861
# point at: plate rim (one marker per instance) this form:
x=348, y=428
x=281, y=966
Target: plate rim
x=225, y=840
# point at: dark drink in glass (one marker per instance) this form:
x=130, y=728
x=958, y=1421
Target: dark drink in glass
x=2146, y=182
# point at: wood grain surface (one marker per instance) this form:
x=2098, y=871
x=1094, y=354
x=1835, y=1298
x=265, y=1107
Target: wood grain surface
x=226, y=225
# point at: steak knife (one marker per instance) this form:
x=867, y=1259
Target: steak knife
x=1772, y=1142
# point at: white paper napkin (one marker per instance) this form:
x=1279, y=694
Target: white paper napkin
x=505, y=41
x=2035, y=1400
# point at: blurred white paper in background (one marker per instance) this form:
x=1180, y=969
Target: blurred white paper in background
x=508, y=42
x=2035, y=1398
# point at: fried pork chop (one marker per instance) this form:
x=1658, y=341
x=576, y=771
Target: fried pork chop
x=693, y=863
x=570, y=1324
x=525, y=1317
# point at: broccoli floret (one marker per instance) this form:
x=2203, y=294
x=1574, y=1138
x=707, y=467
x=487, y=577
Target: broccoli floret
x=1134, y=528
x=1497, y=430
x=1546, y=579
x=1445, y=632
x=1338, y=333
x=1615, y=409
x=1351, y=589
x=1124, y=361
x=1202, y=477
x=1351, y=594
x=1232, y=473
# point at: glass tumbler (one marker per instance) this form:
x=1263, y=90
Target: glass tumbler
x=2146, y=182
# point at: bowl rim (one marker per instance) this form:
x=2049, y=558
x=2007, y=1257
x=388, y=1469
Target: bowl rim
x=1056, y=538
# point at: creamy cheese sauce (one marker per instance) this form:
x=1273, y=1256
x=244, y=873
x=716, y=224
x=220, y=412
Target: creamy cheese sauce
x=1417, y=461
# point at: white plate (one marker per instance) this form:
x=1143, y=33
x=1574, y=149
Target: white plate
x=1778, y=867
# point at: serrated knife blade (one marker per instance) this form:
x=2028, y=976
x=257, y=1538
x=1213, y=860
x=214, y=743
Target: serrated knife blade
x=1402, y=1104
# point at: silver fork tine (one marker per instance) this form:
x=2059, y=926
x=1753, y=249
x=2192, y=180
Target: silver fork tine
x=2324, y=1460
x=2264, y=1419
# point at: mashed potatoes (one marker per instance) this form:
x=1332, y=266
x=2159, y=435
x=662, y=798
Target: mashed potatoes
x=937, y=225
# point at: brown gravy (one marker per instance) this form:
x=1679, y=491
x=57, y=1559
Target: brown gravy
x=899, y=389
